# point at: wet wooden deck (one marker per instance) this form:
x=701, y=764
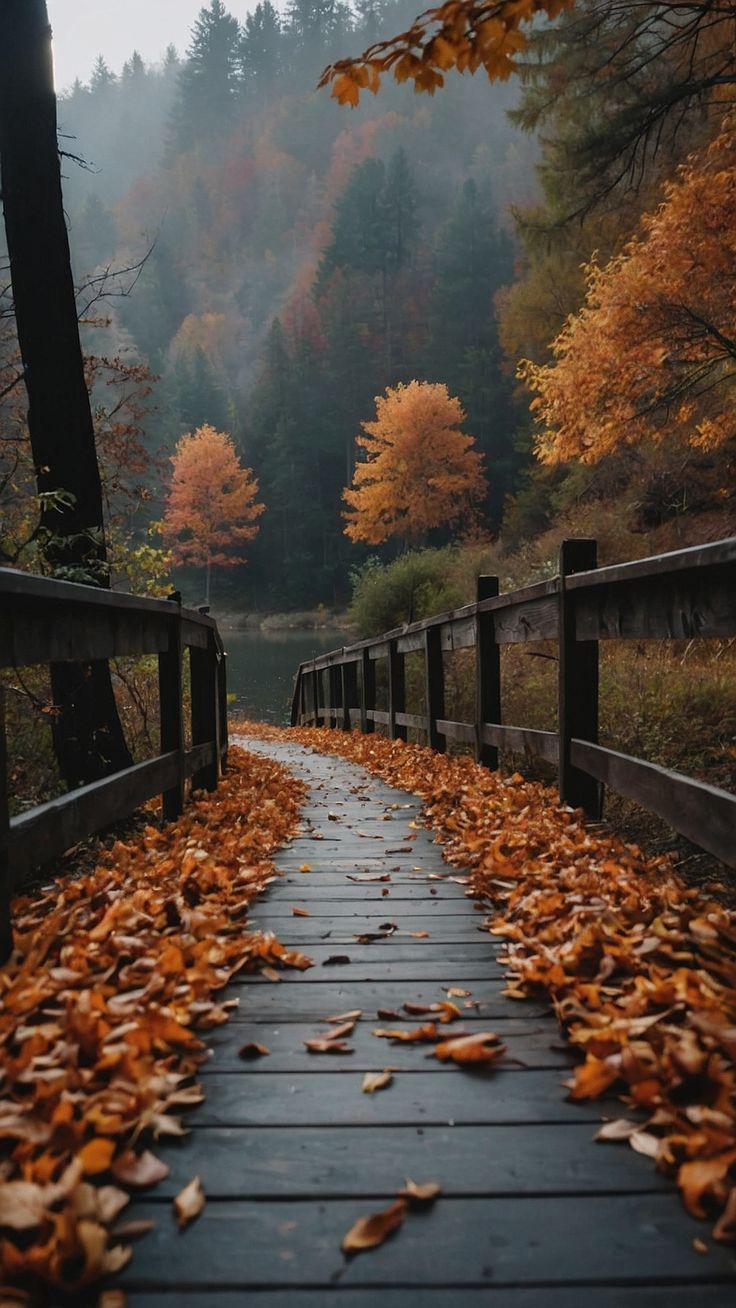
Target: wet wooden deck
x=532, y=1214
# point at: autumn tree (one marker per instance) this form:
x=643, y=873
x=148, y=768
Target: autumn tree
x=653, y=349
x=420, y=471
x=212, y=510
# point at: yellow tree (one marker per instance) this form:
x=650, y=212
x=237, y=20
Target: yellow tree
x=212, y=510
x=653, y=349
x=420, y=471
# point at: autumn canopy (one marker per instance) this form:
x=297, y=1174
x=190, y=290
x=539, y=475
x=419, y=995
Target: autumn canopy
x=420, y=471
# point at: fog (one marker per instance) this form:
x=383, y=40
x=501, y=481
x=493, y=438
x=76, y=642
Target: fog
x=83, y=29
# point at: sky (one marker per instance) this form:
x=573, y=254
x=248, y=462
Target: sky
x=114, y=28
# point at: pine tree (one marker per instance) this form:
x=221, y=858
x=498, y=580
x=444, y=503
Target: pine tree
x=102, y=78
x=208, y=82
x=260, y=53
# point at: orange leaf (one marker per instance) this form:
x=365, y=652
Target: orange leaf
x=373, y=1081
x=189, y=1203
x=369, y=1232
x=482, y=1047
x=96, y=1156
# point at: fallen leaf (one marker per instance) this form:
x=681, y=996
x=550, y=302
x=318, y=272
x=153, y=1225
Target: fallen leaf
x=699, y=1245
x=409, y=1035
x=336, y=960
x=270, y=974
x=373, y=1081
x=301, y=912
x=389, y=1015
x=419, y=935
x=132, y=1228
x=425, y=1193
x=457, y=992
x=189, y=1203
x=620, y=1129
x=96, y=1156
x=305, y=867
x=253, y=1050
x=139, y=1170
x=369, y=1232
x=351, y=1016
x=480, y=1047
x=323, y=1045
x=725, y=1228
x=645, y=1143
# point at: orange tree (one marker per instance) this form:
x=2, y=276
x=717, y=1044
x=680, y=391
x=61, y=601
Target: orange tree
x=653, y=349
x=420, y=471
x=212, y=510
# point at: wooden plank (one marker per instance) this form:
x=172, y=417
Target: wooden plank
x=702, y=813
x=69, y=633
x=343, y=931
x=49, y=830
x=521, y=740
x=577, y=694
x=542, y=1296
x=678, y=607
x=46, y=590
x=465, y=955
x=457, y=730
x=359, y=910
x=398, y=973
x=293, y=1162
x=696, y=557
x=470, y=1241
x=410, y=644
x=376, y=715
x=323, y=1098
x=534, y=619
x=416, y=720
x=199, y=756
x=367, y=693
x=313, y=1000
x=289, y=1054
x=459, y=634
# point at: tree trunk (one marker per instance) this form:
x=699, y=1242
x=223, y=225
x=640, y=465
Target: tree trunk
x=88, y=736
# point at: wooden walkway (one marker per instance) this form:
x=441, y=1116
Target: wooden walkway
x=532, y=1214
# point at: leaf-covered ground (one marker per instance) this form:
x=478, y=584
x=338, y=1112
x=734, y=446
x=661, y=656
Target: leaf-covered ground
x=640, y=968
x=114, y=975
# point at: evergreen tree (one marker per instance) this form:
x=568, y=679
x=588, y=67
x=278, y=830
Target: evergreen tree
x=260, y=52
x=473, y=259
x=102, y=77
x=201, y=399
x=134, y=71
x=208, y=82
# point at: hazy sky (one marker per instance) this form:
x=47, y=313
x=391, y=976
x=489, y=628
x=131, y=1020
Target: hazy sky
x=114, y=28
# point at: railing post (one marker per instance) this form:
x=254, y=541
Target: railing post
x=222, y=743
x=6, y=927
x=487, y=675
x=434, y=680
x=578, y=684
x=333, y=681
x=203, y=664
x=367, y=692
x=396, y=691
x=170, y=710
x=349, y=694
x=315, y=693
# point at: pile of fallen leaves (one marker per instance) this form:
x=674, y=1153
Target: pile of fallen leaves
x=112, y=976
x=640, y=968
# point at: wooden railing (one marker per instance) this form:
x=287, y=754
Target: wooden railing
x=44, y=621
x=680, y=596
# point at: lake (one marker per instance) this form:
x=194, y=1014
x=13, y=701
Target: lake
x=261, y=666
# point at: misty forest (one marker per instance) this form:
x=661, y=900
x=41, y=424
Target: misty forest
x=373, y=372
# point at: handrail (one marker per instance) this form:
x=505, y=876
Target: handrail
x=685, y=594
x=47, y=621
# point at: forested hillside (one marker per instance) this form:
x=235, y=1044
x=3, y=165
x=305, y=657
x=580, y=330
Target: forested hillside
x=300, y=259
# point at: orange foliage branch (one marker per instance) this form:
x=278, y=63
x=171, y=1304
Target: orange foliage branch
x=212, y=507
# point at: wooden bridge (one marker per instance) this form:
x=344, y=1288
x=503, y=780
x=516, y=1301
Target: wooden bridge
x=291, y=1151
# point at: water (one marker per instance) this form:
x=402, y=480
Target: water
x=261, y=667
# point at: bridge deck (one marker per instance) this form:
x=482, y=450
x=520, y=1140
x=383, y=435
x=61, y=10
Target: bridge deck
x=532, y=1213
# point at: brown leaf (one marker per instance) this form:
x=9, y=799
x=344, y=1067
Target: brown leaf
x=336, y=960
x=369, y=1232
x=418, y=935
x=323, y=1045
x=189, y=1203
x=139, y=1170
x=373, y=1081
x=23, y=1205
x=305, y=867
x=389, y=1015
x=645, y=1143
x=480, y=1047
x=424, y=1193
x=351, y=1016
x=253, y=1050
x=457, y=992
x=725, y=1228
x=620, y=1129
x=409, y=1035
x=300, y=912
x=341, y=1029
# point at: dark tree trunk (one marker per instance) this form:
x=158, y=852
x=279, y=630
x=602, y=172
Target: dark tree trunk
x=88, y=736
